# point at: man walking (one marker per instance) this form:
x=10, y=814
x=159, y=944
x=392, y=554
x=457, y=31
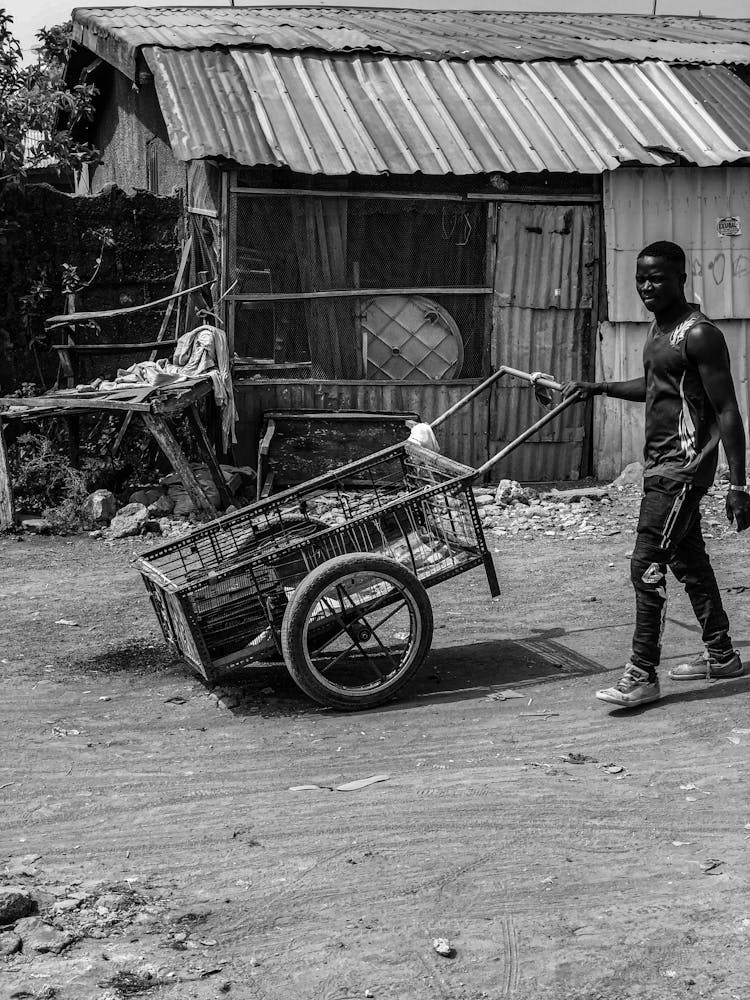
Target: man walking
x=690, y=406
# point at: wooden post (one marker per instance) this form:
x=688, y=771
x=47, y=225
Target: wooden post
x=168, y=443
x=207, y=454
x=7, y=511
x=179, y=279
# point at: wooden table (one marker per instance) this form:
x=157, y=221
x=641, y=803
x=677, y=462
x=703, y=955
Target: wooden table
x=162, y=404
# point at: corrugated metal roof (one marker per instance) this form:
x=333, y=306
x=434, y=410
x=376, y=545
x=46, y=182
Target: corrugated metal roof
x=116, y=34
x=373, y=114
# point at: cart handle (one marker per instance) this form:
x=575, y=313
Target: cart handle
x=533, y=378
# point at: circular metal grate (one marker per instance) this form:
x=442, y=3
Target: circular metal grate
x=410, y=337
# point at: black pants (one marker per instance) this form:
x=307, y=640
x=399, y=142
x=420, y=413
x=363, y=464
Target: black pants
x=669, y=534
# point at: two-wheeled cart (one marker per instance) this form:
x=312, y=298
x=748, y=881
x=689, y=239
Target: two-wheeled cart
x=330, y=577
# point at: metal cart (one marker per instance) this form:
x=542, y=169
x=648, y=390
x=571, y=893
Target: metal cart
x=330, y=577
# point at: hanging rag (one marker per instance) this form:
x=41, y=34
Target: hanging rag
x=204, y=351
x=199, y=353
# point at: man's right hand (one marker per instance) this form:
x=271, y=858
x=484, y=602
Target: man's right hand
x=586, y=389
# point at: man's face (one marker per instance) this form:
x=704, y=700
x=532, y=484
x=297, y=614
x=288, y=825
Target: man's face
x=659, y=282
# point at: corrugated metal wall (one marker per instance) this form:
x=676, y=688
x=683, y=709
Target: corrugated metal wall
x=682, y=205
x=545, y=279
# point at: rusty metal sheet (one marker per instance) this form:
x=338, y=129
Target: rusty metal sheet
x=116, y=34
x=375, y=114
x=683, y=205
x=542, y=321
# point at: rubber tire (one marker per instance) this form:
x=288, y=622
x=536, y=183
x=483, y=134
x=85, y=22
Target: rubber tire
x=305, y=596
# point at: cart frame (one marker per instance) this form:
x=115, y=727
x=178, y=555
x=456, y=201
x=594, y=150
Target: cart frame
x=226, y=594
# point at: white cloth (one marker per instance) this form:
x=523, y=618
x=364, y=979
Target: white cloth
x=423, y=435
x=199, y=353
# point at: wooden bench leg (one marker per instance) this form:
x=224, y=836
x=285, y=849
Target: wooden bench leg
x=208, y=455
x=169, y=444
x=73, y=425
x=7, y=511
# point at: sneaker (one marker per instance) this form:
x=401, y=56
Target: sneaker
x=634, y=688
x=709, y=666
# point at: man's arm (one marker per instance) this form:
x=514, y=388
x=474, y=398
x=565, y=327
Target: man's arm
x=634, y=389
x=707, y=349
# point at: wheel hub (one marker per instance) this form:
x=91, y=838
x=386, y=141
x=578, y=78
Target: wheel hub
x=360, y=633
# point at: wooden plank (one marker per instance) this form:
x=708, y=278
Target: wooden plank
x=263, y=449
x=355, y=293
x=79, y=317
x=66, y=361
x=541, y=199
x=111, y=348
x=489, y=277
x=227, y=239
x=168, y=403
x=79, y=403
x=168, y=443
x=209, y=213
x=207, y=454
x=7, y=510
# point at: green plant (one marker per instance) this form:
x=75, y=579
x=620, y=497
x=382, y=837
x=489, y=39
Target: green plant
x=45, y=482
x=35, y=98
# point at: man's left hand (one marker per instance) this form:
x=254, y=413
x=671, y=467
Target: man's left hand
x=738, y=509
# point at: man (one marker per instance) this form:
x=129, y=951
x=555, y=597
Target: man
x=690, y=406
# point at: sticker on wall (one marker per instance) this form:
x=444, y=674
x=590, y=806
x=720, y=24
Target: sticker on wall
x=730, y=225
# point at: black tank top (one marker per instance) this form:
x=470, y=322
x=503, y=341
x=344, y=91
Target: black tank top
x=682, y=432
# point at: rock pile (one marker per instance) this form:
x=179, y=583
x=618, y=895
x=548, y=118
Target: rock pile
x=510, y=509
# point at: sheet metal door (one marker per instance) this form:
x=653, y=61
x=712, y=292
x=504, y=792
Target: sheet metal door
x=546, y=276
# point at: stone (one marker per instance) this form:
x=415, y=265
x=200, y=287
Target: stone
x=151, y=527
x=15, y=903
x=161, y=507
x=509, y=491
x=41, y=937
x=10, y=943
x=585, y=493
x=98, y=509
x=146, y=497
x=36, y=525
x=128, y=521
x=631, y=475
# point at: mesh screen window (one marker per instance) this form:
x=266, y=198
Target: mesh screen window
x=359, y=287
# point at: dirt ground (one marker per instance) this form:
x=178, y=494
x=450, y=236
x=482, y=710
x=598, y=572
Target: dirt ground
x=161, y=838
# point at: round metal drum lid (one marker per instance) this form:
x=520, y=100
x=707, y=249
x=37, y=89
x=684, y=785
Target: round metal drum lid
x=409, y=337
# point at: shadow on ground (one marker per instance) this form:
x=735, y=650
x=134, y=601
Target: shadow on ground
x=454, y=673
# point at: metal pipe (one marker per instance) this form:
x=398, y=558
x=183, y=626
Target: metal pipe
x=503, y=370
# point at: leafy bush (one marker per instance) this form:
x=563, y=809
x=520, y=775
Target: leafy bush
x=45, y=482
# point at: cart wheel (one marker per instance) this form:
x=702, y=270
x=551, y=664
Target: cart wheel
x=356, y=631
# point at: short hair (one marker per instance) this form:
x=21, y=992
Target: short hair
x=666, y=251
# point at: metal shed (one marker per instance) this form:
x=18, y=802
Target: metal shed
x=335, y=159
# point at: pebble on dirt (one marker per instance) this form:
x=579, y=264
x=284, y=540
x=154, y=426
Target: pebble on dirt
x=10, y=943
x=443, y=947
